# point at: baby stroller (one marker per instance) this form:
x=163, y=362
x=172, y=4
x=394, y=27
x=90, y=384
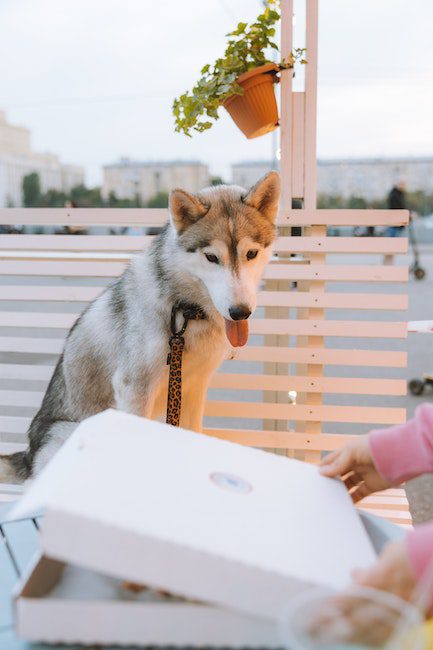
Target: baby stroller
x=419, y=384
x=415, y=268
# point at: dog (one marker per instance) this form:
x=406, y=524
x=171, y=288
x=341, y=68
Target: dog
x=210, y=254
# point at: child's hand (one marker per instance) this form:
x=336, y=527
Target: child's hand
x=355, y=464
x=391, y=573
x=353, y=617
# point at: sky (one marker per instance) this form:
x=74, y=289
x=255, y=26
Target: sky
x=94, y=80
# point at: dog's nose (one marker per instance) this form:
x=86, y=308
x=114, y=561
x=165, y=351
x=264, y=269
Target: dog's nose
x=239, y=312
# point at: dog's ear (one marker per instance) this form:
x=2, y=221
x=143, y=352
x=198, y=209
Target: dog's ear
x=265, y=194
x=185, y=209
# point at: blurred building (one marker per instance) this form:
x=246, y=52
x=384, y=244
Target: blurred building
x=247, y=173
x=128, y=179
x=370, y=178
x=373, y=178
x=17, y=160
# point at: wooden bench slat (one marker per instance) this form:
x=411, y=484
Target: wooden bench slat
x=396, y=516
x=20, y=398
x=341, y=385
x=251, y=437
x=350, y=385
x=92, y=243
x=353, y=414
x=84, y=216
x=31, y=345
x=159, y=216
x=395, y=492
x=372, y=301
x=110, y=269
x=14, y=424
x=257, y=410
x=26, y=371
x=11, y=447
x=335, y=272
x=364, y=329
x=343, y=328
x=389, y=503
x=355, y=245
x=57, y=268
x=50, y=320
x=321, y=356
x=57, y=294
x=281, y=439
x=344, y=217
x=334, y=385
x=327, y=300
x=128, y=243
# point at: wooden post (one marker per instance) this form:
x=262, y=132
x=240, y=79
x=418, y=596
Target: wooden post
x=310, y=194
x=286, y=108
x=302, y=168
x=286, y=111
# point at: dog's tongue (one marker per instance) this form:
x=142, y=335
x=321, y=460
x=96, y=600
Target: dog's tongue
x=237, y=332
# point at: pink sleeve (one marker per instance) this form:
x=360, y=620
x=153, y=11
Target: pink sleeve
x=419, y=544
x=405, y=451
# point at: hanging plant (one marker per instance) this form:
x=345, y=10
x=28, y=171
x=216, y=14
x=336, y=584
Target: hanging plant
x=241, y=81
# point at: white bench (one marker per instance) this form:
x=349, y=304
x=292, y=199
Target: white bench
x=47, y=279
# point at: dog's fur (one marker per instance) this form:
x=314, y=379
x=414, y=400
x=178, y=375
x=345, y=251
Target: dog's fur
x=115, y=354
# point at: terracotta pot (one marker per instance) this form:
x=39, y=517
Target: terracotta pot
x=255, y=112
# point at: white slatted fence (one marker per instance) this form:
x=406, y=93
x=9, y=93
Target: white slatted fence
x=47, y=279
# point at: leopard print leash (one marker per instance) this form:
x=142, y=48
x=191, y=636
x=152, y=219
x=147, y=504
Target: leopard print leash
x=174, y=357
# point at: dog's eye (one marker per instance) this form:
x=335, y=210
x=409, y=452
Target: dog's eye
x=251, y=255
x=212, y=258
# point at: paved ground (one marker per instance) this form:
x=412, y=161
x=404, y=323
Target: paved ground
x=420, y=360
x=420, y=347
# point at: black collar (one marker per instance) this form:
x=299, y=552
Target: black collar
x=189, y=311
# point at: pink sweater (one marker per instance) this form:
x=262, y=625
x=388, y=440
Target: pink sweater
x=401, y=453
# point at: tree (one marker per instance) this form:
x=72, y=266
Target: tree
x=159, y=200
x=31, y=187
x=87, y=197
x=330, y=201
x=420, y=202
x=53, y=199
x=216, y=180
x=114, y=202
x=356, y=203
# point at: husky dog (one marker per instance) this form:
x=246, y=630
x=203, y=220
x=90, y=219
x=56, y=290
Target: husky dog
x=211, y=254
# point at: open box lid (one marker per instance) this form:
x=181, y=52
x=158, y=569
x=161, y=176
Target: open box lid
x=199, y=517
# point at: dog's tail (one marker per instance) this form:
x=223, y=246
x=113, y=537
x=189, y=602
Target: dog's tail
x=14, y=468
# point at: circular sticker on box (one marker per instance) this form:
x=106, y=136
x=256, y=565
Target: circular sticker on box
x=231, y=482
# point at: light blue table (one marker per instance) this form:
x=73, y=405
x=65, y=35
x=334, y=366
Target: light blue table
x=18, y=544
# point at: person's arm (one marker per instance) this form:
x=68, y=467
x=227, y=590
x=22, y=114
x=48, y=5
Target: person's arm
x=419, y=546
x=404, y=451
x=374, y=462
x=385, y=457
x=403, y=566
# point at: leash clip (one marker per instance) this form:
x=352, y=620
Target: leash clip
x=189, y=312
x=175, y=333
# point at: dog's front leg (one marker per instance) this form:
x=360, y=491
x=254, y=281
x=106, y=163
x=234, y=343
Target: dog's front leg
x=134, y=393
x=193, y=402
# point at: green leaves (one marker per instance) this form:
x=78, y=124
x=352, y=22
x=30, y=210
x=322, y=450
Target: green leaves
x=247, y=48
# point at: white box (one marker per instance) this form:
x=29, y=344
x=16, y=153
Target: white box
x=64, y=604
x=237, y=528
